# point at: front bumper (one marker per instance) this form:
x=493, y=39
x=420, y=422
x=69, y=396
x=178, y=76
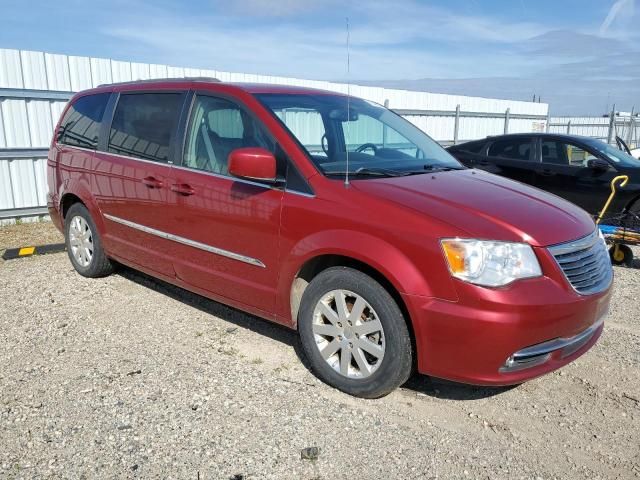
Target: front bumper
x=488, y=334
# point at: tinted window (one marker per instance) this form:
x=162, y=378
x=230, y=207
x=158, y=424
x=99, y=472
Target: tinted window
x=81, y=124
x=561, y=153
x=512, y=148
x=143, y=125
x=473, y=147
x=216, y=128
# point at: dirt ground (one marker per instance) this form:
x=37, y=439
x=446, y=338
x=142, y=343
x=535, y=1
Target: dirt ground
x=127, y=377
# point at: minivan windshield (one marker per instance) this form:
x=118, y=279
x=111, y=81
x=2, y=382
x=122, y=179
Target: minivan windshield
x=612, y=153
x=365, y=139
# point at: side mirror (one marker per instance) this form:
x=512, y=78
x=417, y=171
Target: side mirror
x=253, y=164
x=598, y=164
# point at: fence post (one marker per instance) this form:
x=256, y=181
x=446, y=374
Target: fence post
x=548, y=121
x=630, y=126
x=456, y=126
x=384, y=127
x=507, y=115
x=568, y=127
x=612, y=124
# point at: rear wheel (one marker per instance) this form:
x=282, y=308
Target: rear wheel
x=83, y=243
x=354, y=334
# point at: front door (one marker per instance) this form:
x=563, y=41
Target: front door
x=565, y=172
x=226, y=229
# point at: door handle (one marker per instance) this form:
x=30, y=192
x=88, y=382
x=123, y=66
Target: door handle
x=152, y=182
x=484, y=163
x=546, y=172
x=182, y=189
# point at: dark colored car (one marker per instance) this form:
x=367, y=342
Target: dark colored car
x=240, y=193
x=578, y=169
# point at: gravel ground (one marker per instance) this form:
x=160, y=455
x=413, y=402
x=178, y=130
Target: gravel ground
x=127, y=377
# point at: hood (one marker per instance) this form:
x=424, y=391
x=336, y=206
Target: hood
x=485, y=206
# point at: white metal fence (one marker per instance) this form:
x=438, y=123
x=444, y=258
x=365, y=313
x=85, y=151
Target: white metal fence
x=34, y=87
x=606, y=128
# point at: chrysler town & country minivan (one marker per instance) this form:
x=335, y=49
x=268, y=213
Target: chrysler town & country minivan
x=333, y=216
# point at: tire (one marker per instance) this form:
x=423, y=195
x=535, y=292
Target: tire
x=84, y=246
x=624, y=255
x=376, y=360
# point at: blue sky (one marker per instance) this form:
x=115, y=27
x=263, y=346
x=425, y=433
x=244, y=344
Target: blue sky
x=551, y=47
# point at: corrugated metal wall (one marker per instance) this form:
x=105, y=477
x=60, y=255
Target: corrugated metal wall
x=27, y=117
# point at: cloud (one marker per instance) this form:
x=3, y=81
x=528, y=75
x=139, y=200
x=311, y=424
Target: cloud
x=410, y=39
x=620, y=9
x=568, y=43
x=280, y=8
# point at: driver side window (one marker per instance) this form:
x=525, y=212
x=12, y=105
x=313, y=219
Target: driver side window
x=562, y=153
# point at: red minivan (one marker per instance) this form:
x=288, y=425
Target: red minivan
x=336, y=217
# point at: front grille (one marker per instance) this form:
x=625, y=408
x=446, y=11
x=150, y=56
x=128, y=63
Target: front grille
x=585, y=263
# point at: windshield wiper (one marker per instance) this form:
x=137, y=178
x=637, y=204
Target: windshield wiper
x=370, y=172
x=433, y=168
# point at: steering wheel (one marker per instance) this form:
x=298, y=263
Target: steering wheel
x=366, y=146
x=324, y=143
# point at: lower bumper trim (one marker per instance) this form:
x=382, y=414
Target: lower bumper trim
x=541, y=353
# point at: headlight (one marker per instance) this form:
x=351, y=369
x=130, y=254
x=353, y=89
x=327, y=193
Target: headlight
x=490, y=264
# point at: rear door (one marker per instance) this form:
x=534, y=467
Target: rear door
x=226, y=229
x=564, y=172
x=512, y=157
x=133, y=174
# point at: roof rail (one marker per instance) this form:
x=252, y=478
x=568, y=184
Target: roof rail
x=156, y=80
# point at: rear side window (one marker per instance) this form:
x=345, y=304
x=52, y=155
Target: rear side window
x=473, y=147
x=512, y=148
x=143, y=125
x=80, y=126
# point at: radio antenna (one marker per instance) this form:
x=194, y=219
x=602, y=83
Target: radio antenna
x=346, y=146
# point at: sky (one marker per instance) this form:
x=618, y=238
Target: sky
x=581, y=56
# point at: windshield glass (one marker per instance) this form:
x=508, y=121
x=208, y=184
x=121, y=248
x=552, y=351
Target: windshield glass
x=612, y=153
x=373, y=140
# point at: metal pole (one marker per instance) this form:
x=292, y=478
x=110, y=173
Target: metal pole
x=612, y=124
x=456, y=126
x=548, y=121
x=507, y=115
x=630, y=126
x=569, y=127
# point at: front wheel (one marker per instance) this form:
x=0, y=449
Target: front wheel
x=354, y=334
x=84, y=245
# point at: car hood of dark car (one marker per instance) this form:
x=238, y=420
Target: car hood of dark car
x=485, y=206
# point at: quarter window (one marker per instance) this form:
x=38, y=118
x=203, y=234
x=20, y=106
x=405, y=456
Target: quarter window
x=216, y=128
x=143, y=125
x=512, y=148
x=80, y=126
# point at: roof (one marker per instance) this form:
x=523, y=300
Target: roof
x=542, y=134
x=246, y=87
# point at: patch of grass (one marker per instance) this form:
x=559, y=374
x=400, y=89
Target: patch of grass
x=231, y=351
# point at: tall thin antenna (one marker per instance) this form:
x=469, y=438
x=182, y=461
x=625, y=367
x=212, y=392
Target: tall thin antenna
x=346, y=146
